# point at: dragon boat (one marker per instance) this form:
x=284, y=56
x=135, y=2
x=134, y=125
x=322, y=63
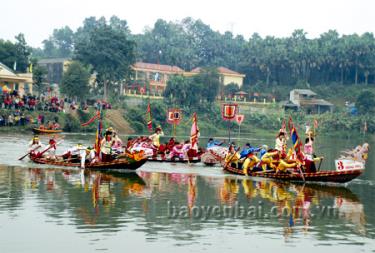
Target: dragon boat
x=348, y=167
x=128, y=163
x=46, y=131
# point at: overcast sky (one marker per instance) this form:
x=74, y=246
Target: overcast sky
x=37, y=18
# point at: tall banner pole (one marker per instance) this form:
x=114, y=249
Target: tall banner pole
x=229, y=130
x=239, y=132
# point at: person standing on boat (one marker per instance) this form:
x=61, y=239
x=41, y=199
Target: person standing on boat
x=155, y=139
x=51, y=154
x=308, y=148
x=117, y=146
x=106, y=147
x=35, y=144
x=280, y=142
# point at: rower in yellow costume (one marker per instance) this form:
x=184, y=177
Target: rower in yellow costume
x=232, y=157
x=249, y=163
x=268, y=160
x=283, y=166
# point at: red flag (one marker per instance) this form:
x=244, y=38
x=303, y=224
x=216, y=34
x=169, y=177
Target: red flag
x=149, y=118
x=96, y=116
x=194, y=134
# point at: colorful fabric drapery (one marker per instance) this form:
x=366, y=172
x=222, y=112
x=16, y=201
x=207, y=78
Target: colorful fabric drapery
x=194, y=134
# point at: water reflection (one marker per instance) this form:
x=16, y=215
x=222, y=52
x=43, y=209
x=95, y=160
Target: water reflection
x=91, y=201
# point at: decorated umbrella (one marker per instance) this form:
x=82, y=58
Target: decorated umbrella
x=5, y=89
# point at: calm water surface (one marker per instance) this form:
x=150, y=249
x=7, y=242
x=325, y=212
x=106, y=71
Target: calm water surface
x=179, y=207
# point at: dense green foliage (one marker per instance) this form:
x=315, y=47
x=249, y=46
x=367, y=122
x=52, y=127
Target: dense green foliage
x=366, y=102
x=75, y=81
x=192, y=93
x=39, y=73
x=59, y=44
x=292, y=60
x=331, y=58
x=106, y=47
x=15, y=54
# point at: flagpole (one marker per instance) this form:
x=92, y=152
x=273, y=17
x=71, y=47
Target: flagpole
x=229, y=130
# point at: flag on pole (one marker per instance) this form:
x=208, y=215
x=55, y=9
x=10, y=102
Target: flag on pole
x=149, y=117
x=15, y=66
x=194, y=134
x=297, y=144
x=98, y=137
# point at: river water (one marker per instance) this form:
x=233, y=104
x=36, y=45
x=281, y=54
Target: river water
x=184, y=208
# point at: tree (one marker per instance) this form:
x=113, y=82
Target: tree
x=15, y=54
x=23, y=52
x=208, y=81
x=366, y=102
x=75, y=82
x=59, y=44
x=108, y=51
x=39, y=74
x=231, y=88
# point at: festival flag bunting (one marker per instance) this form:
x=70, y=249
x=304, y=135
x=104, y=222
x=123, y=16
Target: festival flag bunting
x=149, y=118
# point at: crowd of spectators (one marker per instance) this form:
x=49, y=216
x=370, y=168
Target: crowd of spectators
x=13, y=101
x=15, y=118
x=14, y=108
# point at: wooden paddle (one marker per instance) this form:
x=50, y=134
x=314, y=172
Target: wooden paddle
x=21, y=158
x=226, y=164
x=300, y=171
x=49, y=147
